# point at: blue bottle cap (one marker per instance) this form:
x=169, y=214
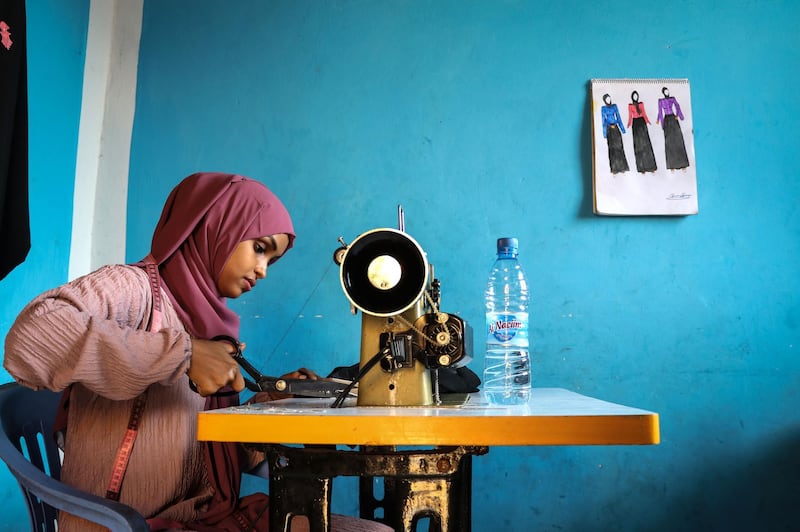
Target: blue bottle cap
x=507, y=246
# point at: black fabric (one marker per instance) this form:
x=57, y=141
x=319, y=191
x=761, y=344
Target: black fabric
x=458, y=380
x=674, y=147
x=15, y=236
x=451, y=380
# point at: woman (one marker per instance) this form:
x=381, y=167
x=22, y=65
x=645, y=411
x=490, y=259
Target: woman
x=130, y=344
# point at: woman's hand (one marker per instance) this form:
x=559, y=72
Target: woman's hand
x=213, y=367
x=302, y=373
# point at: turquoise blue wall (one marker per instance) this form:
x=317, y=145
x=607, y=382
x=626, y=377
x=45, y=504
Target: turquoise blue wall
x=56, y=51
x=475, y=116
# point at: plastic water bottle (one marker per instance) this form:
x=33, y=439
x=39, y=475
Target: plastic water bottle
x=506, y=376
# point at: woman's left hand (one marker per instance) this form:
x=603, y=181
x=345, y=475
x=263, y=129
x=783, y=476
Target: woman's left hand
x=302, y=373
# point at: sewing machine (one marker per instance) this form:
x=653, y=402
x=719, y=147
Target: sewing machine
x=405, y=337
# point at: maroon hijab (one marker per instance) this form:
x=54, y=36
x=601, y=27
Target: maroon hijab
x=205, y=217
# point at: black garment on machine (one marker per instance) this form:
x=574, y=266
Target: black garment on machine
x=15, y=236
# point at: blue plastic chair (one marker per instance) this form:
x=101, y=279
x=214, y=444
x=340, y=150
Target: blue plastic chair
x=29, y=450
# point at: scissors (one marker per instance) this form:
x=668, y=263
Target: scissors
x=263, y=383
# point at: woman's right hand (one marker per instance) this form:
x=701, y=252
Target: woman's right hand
x=213, y=367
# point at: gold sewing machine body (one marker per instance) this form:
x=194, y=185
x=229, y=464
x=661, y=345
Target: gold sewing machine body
x=405, y=337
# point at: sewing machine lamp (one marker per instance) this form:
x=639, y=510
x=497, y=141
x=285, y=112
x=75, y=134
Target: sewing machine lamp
x=385, y=274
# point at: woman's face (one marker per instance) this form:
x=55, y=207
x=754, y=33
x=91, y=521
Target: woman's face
x=248, y=264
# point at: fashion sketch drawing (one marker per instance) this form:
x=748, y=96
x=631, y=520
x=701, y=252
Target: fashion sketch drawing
x=612, y=131
x=669, y=111
x=642, y=147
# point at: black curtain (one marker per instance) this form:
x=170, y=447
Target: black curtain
x=15, y=234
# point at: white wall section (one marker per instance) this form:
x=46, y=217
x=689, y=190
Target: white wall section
x=104, y=138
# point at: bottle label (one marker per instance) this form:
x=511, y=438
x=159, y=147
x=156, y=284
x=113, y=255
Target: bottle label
x=506, y=328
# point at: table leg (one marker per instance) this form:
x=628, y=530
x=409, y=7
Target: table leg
x=436, y=485
x=292, y=494
x=417, y=484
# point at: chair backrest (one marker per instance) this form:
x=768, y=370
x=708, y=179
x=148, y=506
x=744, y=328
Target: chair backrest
x=29, y=450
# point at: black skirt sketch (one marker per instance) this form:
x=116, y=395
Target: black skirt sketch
x=616, y=151
x=642, y=147
x=674, y=148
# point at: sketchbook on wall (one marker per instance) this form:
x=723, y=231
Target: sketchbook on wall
x=643, y=147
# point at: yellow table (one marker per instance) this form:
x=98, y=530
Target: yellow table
x=553, y=416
